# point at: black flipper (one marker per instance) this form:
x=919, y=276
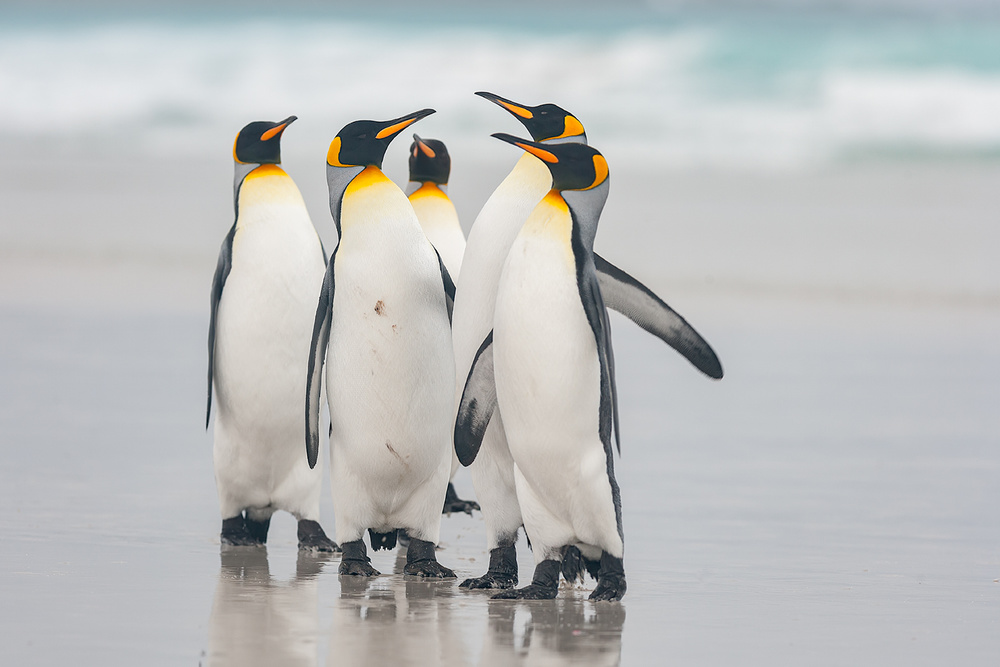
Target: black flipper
x=317, y=356
x=637, y=302
x=449, y=285
x=222, y=270
x=479, y=400
x=597, y=315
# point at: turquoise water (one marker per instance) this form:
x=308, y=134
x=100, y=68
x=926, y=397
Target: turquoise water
x=777, y=87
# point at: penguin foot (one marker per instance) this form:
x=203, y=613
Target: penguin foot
x=312, y=538
x=529, y=592
x=502, y=572
x=357, y=568
x=452, y=503
x=430, y=569
x=544, y=584
x=421, y=561
x=610, y=579
x=490, y=580
x=235, y=533
x=355, y=561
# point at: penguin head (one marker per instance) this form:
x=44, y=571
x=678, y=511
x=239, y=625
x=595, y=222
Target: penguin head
x=260, y=142
x=363, y=142
x=429, y=161
x=546, y=123
x=573, y=166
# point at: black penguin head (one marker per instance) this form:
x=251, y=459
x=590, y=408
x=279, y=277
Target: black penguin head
x=573, y=166
x=546, y=122
x=429, y=161
x=260, y=142
x=363, y=142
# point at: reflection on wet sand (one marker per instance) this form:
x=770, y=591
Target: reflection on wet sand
x=257, y=620
x=565, y=631
x=401, y=620
x=397, y=620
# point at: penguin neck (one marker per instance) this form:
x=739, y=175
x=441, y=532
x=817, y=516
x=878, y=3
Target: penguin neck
x=585, y=207
x=244, y=169
x=420, y=189
x=530, y=169
x=550, y=218
x=372, y=197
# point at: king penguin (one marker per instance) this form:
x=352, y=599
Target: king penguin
x=548, y=367
x=427, y=190
x=270, y=266
x=490, y=239
x=382, y=329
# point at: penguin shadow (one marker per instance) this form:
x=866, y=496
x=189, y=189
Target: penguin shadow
x=565, y=631
x=259, y=620
x=396, y=619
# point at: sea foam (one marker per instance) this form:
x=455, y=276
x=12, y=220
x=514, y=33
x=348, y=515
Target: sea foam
x=694, y=92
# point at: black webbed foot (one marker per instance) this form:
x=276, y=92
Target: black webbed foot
x=312, y=538
x=610, y=579
x=452, y=503
x=502, y=572
x=235, y=533
x=355, y=561
x=421, y=561
x=544, y=584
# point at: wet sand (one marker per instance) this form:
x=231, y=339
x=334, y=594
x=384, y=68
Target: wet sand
x=831, y=501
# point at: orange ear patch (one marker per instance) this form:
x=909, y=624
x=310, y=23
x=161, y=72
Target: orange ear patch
x=600, y=171
x=333, y=155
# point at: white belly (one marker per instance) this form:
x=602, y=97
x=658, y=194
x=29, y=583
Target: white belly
x=547, y=369
x=264, y=325
x=548, y=380
x=389, y=370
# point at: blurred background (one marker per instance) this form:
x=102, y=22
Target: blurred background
x=672, y=91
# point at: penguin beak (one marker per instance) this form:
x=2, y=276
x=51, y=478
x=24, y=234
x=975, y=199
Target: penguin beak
x=509, y=105
x=278, y=128
x=393, y=127
x=423, y=148
x=536, y=149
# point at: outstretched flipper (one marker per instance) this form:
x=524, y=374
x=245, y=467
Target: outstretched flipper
x=479, y=400
x=637, y=302
x=449, y=285
x=317, y=355
x=222, y=270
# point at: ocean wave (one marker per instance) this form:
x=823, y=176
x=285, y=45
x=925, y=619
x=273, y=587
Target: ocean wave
x=689, y=93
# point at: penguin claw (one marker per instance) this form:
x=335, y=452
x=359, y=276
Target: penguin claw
x=357, y=568
x=488, y=580
x=429, y=569
x=529, y=592
x=319, y=544
x=240, y=541
x=609, y=588
x=312, y=538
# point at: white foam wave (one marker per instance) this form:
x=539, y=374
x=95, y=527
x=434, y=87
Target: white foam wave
x=188, y=88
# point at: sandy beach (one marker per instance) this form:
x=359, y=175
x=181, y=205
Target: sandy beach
x=831, y=501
